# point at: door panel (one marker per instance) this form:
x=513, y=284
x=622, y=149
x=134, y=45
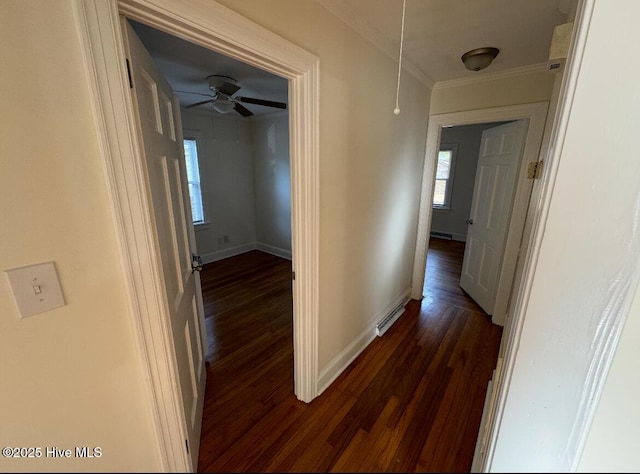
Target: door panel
x=160, y=128
x=498, y=164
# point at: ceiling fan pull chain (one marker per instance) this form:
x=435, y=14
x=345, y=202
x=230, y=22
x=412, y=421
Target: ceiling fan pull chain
x=397, y=109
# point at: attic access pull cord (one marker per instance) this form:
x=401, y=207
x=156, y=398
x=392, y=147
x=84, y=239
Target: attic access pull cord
x=397, y=109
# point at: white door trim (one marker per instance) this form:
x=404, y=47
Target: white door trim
x=604, y=353
x=536, y=114
x=213, y=26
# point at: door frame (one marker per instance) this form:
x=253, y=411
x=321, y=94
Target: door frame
x=536, y=113
x=213, y=26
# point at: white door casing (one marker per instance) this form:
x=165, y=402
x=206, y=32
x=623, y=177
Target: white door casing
x=159, y=123
x=536, y=115
x=498, y=164
x=218, y=28
x=213, y=26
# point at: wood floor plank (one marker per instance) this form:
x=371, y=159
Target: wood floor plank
x=412, y=401
x=406, y=456
x=306, y=432
x=387, y=459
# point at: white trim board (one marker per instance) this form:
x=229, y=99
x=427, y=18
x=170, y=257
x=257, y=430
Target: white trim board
x=228, y=252
x=610, y=326
x=273, y=250
x=211, y=25
x=340, y=362
x=454, y=236
x=240, y=249
x=216, y=27
x=536, y=114
x=492, y=76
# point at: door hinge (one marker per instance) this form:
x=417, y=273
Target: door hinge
x=186, y=443
x=196, y=263
x=293, y=275
x=534, y=171
x=129, y=74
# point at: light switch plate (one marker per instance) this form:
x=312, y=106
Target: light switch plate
x=36, y=288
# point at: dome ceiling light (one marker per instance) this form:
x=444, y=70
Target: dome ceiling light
x=479, y=58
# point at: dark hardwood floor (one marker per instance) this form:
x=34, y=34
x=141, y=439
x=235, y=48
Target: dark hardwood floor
x=442, y=278
x=411, y=402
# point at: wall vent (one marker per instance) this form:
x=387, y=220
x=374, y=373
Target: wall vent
x=442, y=235
x=389, y=319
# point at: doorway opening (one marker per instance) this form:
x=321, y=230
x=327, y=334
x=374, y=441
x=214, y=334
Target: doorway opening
x=534, y=115
x=461, y=206
x=212, y=26
x=240, y=184
x=518, y=235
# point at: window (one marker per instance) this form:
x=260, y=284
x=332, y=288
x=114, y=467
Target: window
x=193, y=178
x=444, y=177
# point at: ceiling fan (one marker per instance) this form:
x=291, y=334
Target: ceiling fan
x=223, y=88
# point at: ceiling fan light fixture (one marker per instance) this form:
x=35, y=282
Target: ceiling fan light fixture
x=223, y=101
x=217, y=81
x=223, y=106
x=479, y=58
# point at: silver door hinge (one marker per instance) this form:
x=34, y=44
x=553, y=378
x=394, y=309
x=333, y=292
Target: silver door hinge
x=534, y=171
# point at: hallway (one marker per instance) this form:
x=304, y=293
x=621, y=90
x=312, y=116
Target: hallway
x=412, y=401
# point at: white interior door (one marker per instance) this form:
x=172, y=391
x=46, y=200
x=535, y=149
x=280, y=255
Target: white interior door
x=159, y=125
x=498, y=164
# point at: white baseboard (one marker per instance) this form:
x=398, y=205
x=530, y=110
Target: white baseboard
x=237, y=250
x=278, y=252
x=448, y=235
x=481, y=448
x=334, y=368
x=348, y=355
x=228, y=252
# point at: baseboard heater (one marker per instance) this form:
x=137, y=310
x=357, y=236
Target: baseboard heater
x=389, y=319
x=441, y=235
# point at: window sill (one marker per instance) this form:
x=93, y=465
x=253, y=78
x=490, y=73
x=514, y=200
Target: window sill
x=441, y=208
x=202, y=225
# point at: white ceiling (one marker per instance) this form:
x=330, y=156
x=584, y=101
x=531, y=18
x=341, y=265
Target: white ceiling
x=437, y=33
x=186, y=66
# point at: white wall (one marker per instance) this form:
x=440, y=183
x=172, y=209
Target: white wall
x=612, y=442
x=272, y=186
x=370, y=172
x=244, y=167
x=612, y=445
x=225, y=154
x=586, y=276
x=71, y=376
x=458, y=96
x=467, y=138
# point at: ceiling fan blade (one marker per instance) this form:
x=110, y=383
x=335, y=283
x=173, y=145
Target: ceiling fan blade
x=267, y=103
x=229, y=88
x=242, y=110
x=200, y=103
x=191, y=92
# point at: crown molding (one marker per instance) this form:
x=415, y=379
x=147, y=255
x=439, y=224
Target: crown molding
x=344, y=13
x=507, y=73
